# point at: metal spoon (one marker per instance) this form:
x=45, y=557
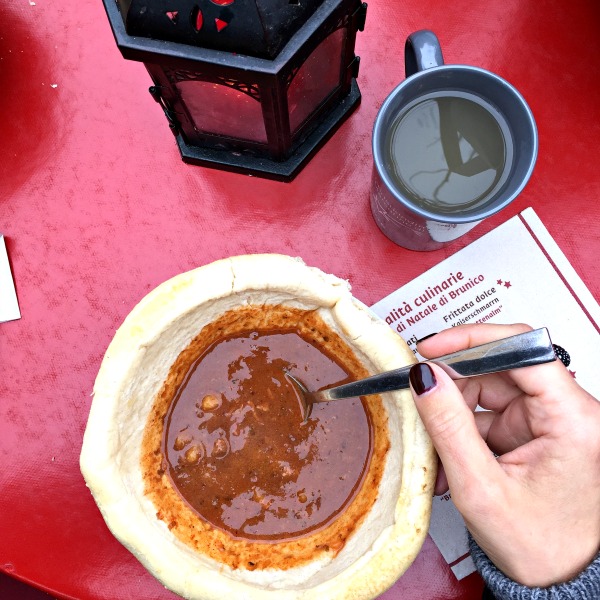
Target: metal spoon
x=522, y=350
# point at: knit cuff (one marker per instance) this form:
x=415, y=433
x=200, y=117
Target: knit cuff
x=586, y=586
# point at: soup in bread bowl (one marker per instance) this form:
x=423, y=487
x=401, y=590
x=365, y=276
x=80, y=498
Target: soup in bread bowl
x=197, y=455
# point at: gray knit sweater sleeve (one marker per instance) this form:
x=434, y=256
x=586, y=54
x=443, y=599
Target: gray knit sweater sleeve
x=586, y=586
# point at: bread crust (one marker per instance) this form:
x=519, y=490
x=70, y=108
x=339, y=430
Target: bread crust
x=387, y=538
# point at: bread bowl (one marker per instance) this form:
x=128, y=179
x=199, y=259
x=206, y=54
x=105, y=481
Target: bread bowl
x=131, y=459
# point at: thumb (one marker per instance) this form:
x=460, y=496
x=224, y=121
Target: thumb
x=467, y=460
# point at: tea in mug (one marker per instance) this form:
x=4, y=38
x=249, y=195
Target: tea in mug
x=448, y=151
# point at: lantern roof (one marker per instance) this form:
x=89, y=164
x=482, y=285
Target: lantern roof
x=259, y=28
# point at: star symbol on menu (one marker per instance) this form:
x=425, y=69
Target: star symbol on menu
x=507, y=284
x=499, y=282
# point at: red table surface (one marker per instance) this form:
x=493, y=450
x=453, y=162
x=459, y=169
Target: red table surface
x=97, y=209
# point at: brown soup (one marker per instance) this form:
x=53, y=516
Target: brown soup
x=238, y=451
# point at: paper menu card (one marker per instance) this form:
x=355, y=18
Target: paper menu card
x=515, y=273
x=9, y=307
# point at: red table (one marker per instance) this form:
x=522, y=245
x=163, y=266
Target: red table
x=98, y=209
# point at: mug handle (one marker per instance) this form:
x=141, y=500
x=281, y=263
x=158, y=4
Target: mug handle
x=422, y=51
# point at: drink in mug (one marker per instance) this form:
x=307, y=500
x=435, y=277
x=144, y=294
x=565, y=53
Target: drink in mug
x=452, y=145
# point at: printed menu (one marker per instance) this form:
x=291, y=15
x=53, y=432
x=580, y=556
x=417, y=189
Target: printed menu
x=9, y=307
x=515, y=273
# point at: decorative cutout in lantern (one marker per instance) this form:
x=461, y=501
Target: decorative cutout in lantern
x=253, y=86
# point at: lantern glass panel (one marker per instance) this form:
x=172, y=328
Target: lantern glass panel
x=317, y=78
x=223, y=110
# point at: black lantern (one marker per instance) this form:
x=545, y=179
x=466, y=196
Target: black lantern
x=253, y=86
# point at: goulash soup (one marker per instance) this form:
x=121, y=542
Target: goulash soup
x=198, y=458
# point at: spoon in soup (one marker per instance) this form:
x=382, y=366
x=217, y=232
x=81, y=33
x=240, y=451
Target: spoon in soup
x=521, y=350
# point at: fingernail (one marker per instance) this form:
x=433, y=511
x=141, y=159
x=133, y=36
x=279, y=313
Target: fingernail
x=426, y=337
x=422, y=378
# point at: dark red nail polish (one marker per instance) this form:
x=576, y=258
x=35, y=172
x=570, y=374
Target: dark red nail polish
x=422, y=378
x=426, y=337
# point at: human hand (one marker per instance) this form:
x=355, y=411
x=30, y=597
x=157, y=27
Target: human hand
x=535, y=510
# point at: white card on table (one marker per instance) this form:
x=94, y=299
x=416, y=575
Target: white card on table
x=9, y=307
x=515, y=273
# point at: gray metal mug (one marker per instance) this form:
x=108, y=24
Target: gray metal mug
x=420, y=226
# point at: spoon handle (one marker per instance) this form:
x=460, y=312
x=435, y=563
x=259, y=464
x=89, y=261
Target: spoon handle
x=522, y=350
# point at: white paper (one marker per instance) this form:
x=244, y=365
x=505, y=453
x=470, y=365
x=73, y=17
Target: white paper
x=515, y=273
x=9, y=307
